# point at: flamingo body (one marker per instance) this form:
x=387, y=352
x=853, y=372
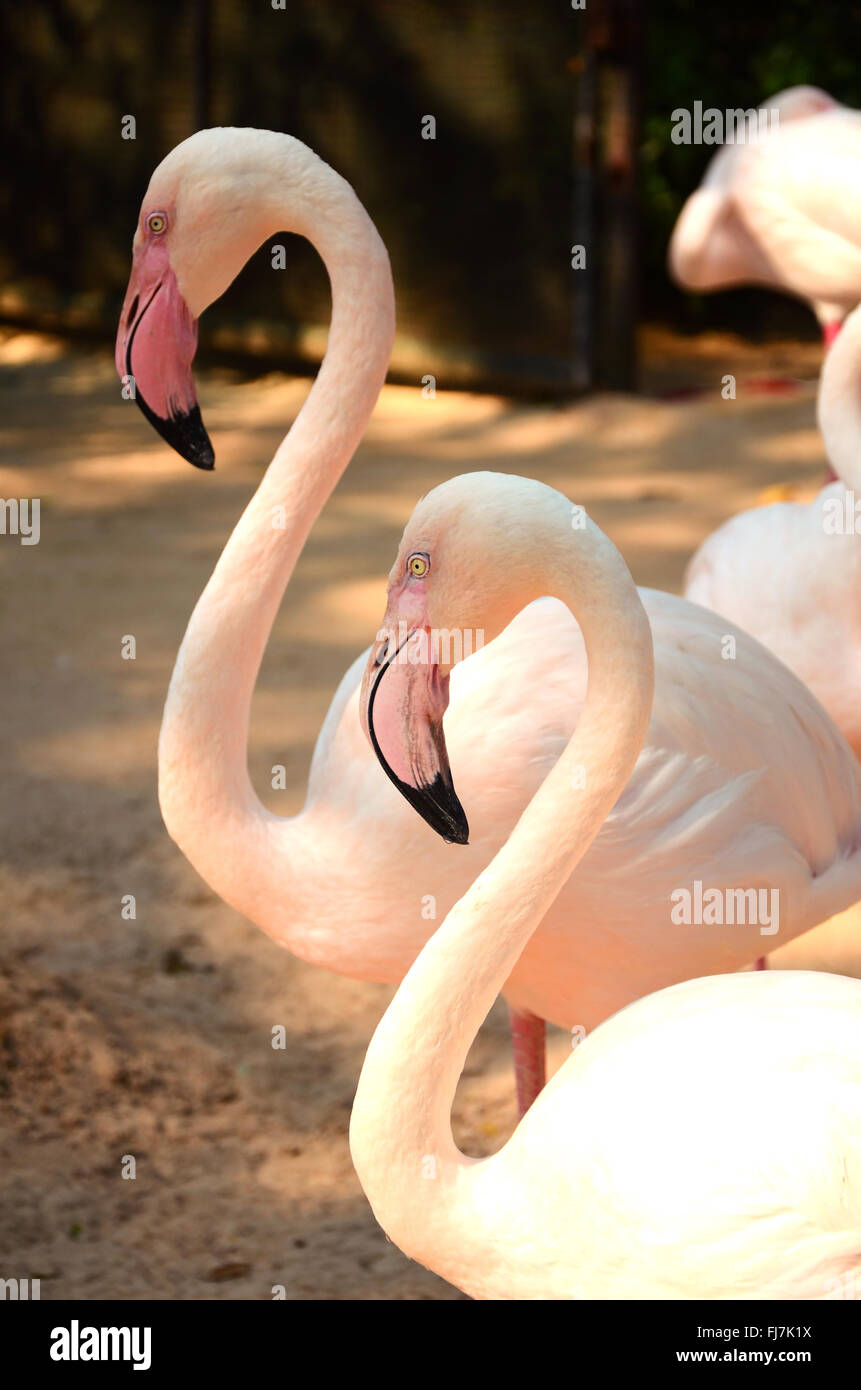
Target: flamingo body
x=722, y=786
x=705, y=1142
x=775, y=571
x=790, y=573
x=782, y=211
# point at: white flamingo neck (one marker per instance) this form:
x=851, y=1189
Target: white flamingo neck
x=205, y=792
x=839, y=403
x=401, y=1129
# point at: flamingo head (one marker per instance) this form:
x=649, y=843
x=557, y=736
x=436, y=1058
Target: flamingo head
x=465, y=568
x=209, y=205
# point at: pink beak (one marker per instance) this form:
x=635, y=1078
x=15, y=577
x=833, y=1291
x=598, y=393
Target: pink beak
x=156, y=343
x=402, y=702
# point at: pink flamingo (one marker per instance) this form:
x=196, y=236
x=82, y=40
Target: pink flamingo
x=790, y=573
x=704, y=1142
x=356, y=881
x=782, y=211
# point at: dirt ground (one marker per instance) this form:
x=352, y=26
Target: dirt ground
x=151, y=1037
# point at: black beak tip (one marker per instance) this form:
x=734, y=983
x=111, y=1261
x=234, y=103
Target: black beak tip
x=204, y=458
x=437, y=804
x=185, y=432
x=459, y=831
x=461, y=838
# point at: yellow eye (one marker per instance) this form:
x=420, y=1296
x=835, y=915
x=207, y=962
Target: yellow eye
x=418, y=565
x=157, y=223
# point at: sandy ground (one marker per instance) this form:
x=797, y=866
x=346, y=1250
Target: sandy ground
x=151, y=1037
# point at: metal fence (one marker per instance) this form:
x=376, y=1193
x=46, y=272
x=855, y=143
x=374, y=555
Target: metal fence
x=477, y=220
x=552, y=128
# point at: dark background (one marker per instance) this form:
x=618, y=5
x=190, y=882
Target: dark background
x=479, y=222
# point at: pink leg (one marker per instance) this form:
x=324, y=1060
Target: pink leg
x=530, y=1073
x=762, y=963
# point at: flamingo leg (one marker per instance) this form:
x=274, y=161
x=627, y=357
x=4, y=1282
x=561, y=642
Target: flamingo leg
x=528, y=1041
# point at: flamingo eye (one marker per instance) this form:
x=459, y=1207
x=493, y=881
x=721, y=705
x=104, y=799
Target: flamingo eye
x=157, y=223
x=418, y=565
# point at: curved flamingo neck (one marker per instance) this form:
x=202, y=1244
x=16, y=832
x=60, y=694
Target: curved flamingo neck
x=839, y=403
x=252, y=859
x=422, y=1189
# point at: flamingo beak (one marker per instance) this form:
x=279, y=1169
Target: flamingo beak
x=156, y=343
x=403, y=699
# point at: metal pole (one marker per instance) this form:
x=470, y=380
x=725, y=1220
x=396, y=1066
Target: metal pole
x=583, y=220
x=616, y=43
